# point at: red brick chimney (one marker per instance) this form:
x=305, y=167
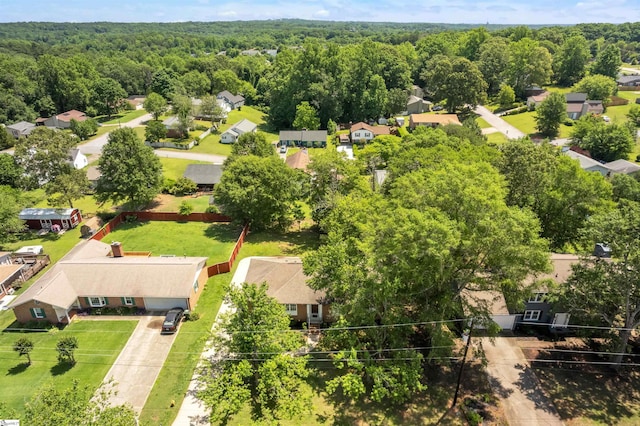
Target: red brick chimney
x=116, y=249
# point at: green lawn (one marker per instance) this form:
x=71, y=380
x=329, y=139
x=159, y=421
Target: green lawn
x=54, y=245
x=125, y=117
x=174, y=168
x=199, y=203
x=497, y=138
x=526, y=123
x=212, y=240
x=99, y=344
x=482, y=123
x=173, y=381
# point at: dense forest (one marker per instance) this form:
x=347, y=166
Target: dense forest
x=347, y=71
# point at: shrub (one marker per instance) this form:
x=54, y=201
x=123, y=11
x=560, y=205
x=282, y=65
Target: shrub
x=212, y=209
x=473, y=418
x=568, y=122
x=106, y=216
x=193, y=316
x=185, y=208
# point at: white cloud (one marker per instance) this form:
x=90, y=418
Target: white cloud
x=323, y=13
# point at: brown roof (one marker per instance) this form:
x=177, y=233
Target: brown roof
x=300, y=160
x=493, y=301
x=376, y=130
x=561, y=264
x=442, y=119
x=574, y=107
x=541, y=97
x=7, y=271
x=72, y=115
x=87, y=270
x=287, y=282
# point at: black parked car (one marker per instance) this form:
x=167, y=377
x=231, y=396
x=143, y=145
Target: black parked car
x=171, y=321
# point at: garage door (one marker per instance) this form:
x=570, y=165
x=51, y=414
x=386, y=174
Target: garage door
x=163, y=304
x=506, y=322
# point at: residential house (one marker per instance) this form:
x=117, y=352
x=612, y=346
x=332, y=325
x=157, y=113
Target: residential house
x=533, y=91
x=95, y=275
x=578, y=105
x=232, y=134
x=234, y=101
x=417, y=105
x=171, y=124
x=623, y=167
x=93, y=174
x=362, y=132
x=399, y=121
x=343, y=138
x=417, y=91
x=534, y=101
x=629, y=80
x=589, y=164
x=288, y=285
x=491, y=303
x=37, y=218
x=21, y=128
x=251, y=52
x=537, y=307
x=305, y=138
x=432, y=120
x=300, y=160
x=63, y=121
x=78, y=160
x=136, y=101
x=205, y=176
x=226, y=109
x=271, y=52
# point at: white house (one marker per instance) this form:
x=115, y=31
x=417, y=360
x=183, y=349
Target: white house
x=233, y=133
x=363, y=132
x=234, y=101
x=78, y=159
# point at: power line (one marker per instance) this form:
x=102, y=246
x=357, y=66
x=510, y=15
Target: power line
x=578, y=351
x=590, y=327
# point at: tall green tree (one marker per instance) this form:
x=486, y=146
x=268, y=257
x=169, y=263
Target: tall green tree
x=615, y=284
x=131, y=172
x=571, y=60
x=154, y=131
x=10, y=172
x=597, y=87
x=84, y=129
x=634, y=115
x=66, y=348
x=196, y=83
x=44, y=155
x=550, y=114
x=259, y=367
x=252, y=143
x=10, y=206
x=506, y=96
x=107, y=96
x=67, y=187
x=607, y=62
x=210, y=109
x=6, y=139
x=605, y=141
x=258, y=190
x=493, y=62
x=155, y=105
x=306, y=117
x=529, y=64
x=456, y=81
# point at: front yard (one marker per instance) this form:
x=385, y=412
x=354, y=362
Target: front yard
x=526, y=123
x=99, y=344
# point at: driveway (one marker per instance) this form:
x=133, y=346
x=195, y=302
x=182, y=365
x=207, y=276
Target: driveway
x=136, y=369
x=95, y=146
x=515, y=383
x=498, y=123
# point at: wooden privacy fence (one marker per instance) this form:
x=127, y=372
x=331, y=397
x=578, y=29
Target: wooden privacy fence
x=218, y=268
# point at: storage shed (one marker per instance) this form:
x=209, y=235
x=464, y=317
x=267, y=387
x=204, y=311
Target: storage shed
x=37, y=218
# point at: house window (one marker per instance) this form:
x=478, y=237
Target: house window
x=38, y=313
x=537, y=297
x=532, y=315
x=128, y=301
x=291, y=309
x=97, y=302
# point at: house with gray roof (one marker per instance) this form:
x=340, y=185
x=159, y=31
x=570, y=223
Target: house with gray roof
x=21, y=128
x=578, y=105
x=629, y=80
x=232, y=134
x=234, y=101
x=303, y=137
x=623, y=167
x=205, y=176
x=588, y=163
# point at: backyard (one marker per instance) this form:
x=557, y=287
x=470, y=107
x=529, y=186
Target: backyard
x=212, y=240
x=99, y=344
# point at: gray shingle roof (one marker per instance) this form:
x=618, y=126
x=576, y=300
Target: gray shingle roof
x=244, y=126
x=576, y=97
x=21, y=126
x=303, y=135
x=230, y=97
x=204, y=174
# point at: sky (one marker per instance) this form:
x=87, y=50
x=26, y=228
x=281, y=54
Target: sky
x=510, y=12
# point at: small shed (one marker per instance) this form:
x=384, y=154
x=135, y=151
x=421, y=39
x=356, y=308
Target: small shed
x=37, y=218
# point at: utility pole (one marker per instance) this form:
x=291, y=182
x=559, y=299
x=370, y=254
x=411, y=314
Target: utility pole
x=464, y=358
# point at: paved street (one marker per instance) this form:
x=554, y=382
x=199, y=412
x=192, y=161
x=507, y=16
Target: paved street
x=513, y=381
x=498, y=123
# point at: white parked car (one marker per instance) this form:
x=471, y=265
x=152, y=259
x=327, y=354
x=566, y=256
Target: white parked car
x=283, y=149
x=606, y=118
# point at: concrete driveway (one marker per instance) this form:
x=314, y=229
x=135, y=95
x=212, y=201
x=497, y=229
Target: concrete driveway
x=515, y=383
x=498, y=123
x=136, y=369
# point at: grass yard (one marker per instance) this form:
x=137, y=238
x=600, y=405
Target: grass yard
x=526, y=123
x=174, y=168
x=212, y=240
x=124, y=117
x=497, y=138
x=174, y=378
x=482, y=123
x=171, y=203
x=99, y=344
x=54, y=245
